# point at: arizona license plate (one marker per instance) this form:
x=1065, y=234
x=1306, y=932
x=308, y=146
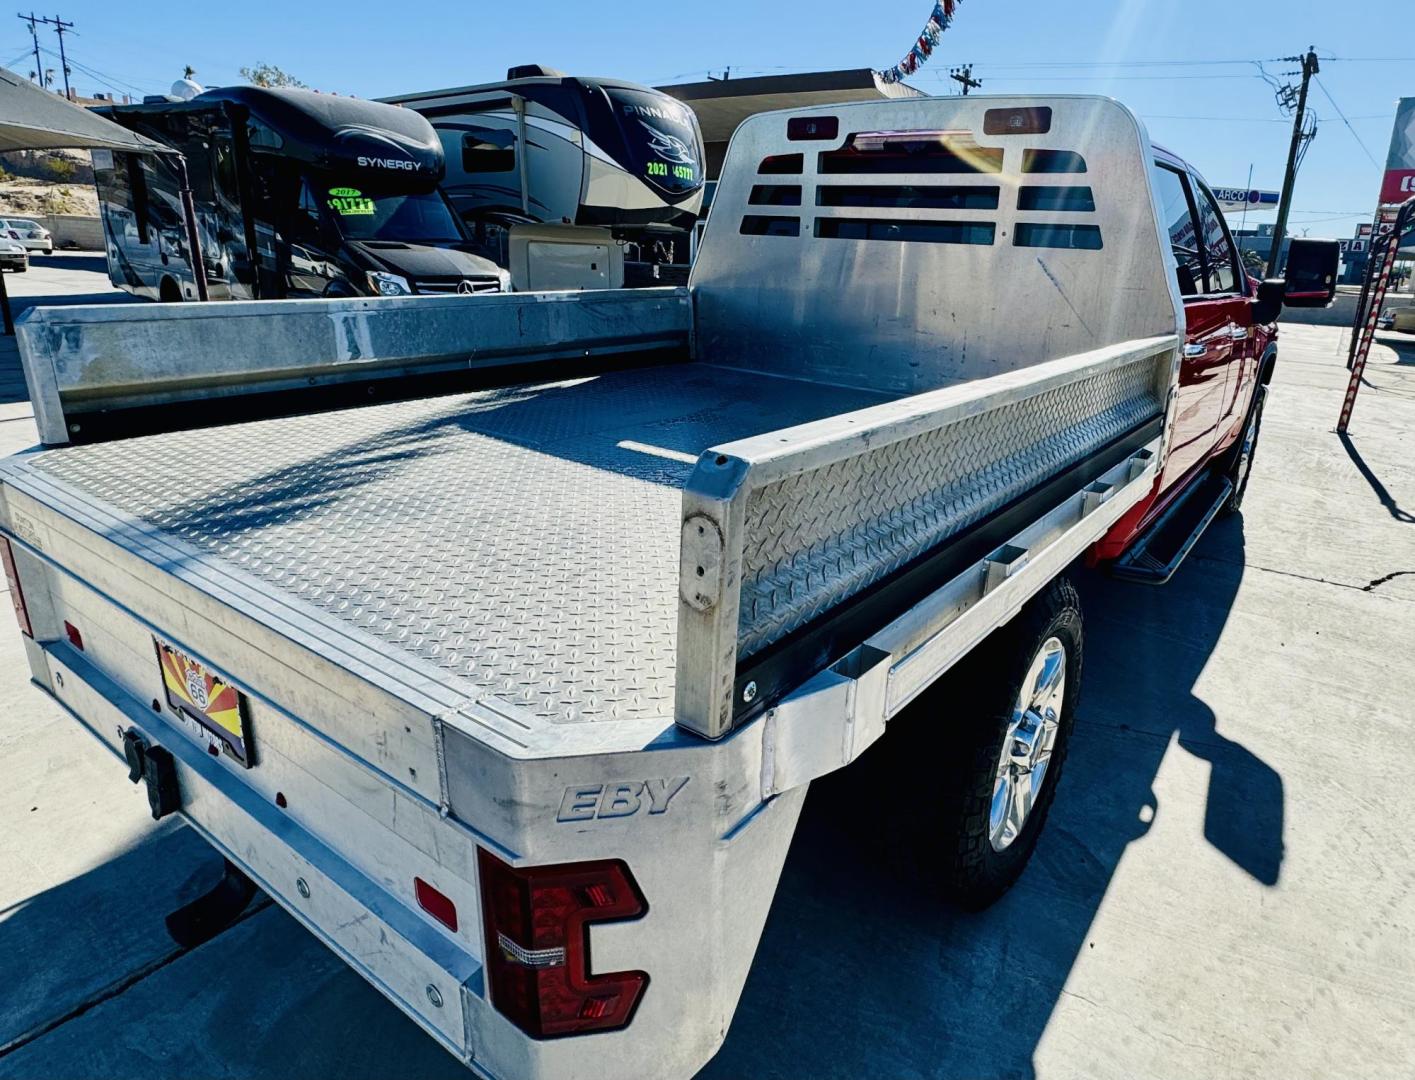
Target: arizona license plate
x=207, y=699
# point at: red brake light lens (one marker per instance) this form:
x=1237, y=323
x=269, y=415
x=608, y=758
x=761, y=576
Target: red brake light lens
x=537, y=923
x=439, y=906
x=17, y=595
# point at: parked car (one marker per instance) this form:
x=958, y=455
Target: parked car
x=33, y=235
x=13, y=256
x=1404, y=321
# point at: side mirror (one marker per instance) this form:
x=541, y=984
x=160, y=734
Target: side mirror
x=1268, y=306
x=1311, y=272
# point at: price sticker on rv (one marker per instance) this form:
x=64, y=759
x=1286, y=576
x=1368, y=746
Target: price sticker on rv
x=350, y=202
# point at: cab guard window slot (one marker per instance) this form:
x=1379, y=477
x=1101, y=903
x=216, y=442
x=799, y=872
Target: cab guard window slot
x=919, y=232
x=775, y=195
x=909, y=196
x=1056, y=198
x=800, y=128
x=769, y=225
x=911, y=152
x=782, y=165
x=1025, y=121
x=1081, y=237
x=1052, y=161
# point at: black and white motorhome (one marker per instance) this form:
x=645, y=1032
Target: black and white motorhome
x=335, y=196
x=547, y=148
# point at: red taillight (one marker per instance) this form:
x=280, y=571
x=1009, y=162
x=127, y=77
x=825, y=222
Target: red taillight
x=437, y=905
x=17, y=595
x=71, y=632
x=538, y=944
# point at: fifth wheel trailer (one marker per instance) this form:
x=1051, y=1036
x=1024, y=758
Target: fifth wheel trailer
x=571, y=154
x=512, y=692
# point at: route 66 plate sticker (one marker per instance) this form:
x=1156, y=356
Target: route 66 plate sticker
x=198, y=694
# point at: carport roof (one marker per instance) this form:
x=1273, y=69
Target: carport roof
x=32, y=118
x=723, y=104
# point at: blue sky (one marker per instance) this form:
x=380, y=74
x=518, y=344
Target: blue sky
x=1220, y=115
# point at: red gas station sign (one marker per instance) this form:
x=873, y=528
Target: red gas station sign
x=1399, y=181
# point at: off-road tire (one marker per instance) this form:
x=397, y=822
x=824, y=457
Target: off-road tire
x=956, y=732
x=1241, y=468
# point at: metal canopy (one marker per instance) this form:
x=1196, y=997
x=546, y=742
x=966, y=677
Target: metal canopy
x=35, y=119
x=723, y=104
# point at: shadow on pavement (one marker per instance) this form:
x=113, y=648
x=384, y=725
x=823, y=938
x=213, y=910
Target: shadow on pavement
x=861, y=973
x=94, y=989
x=1385, y=497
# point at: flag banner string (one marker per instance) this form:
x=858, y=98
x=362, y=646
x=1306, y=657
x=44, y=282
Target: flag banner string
x=923, y=48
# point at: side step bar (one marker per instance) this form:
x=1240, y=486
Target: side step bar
x=1155, y=556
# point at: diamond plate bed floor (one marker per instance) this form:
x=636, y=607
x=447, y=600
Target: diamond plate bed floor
x=523, y=539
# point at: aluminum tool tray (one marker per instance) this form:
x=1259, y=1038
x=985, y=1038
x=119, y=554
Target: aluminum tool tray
x=520, y=540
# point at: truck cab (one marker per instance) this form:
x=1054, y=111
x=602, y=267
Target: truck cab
x=1230, y=347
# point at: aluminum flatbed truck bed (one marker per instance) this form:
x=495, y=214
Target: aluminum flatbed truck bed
x=512, y=694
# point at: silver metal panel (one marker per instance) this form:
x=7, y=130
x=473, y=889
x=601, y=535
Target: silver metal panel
x=520, y=540
x=785, y=526
x=839, y=713
x=83, y=359
x=912, y=315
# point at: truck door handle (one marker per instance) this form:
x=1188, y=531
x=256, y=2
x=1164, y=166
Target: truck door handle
x=1194, y=349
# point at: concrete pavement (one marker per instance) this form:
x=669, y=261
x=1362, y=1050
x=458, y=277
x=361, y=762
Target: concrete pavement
x=1224, y=887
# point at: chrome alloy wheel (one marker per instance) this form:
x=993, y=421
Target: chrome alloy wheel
x=1250, y=439
x=1026, y=748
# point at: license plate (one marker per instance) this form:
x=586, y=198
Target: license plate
x=209, y=700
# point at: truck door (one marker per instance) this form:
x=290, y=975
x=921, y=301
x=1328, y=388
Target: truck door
x=1207, y=344
x=1227, y=299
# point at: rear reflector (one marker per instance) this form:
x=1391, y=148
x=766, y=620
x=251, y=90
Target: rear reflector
x=537, y=922
x=17, y=595
x=439, y=906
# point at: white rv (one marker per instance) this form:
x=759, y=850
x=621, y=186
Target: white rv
x=547, y=148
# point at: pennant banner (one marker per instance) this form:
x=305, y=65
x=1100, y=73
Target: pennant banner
x=923, y=48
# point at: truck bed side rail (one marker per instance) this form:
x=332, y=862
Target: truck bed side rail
x=794, y=542
x=81, y=362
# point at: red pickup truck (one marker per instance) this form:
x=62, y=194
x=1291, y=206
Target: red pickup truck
x=1229, y=353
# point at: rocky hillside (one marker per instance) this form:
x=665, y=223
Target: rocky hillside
x=47, y=182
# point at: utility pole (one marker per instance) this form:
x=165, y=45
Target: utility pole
x=964, y=75
x=1310, y=67
x=34, y=37
x=59, y=27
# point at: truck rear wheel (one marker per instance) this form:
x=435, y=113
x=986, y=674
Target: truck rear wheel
x=1001, y=751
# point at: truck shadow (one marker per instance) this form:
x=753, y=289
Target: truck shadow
x=861, y=973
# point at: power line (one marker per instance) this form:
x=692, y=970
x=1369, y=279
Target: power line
x=1198, y=62
x=1219, y=119
x=1364, y=148
x=112, y=82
